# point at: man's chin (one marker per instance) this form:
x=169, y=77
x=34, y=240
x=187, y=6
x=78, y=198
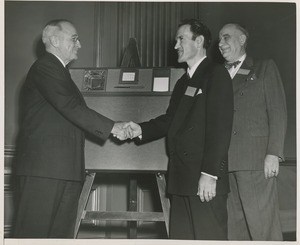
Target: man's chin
x=180, y=60
x=226, y=57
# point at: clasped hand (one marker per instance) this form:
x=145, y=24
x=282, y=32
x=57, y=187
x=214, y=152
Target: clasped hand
x=126, y=130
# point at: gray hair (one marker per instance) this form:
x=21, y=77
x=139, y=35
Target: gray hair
x=51, y=28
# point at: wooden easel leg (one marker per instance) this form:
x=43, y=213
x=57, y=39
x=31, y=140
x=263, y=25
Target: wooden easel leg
x=165, y=202
x=84, y=196
x=132, y=225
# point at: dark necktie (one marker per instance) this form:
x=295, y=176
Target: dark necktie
x=233, y=64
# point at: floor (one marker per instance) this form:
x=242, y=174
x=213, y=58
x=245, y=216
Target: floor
x=290, y=236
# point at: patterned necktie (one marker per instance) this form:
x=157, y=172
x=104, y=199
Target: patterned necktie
x=233, y=64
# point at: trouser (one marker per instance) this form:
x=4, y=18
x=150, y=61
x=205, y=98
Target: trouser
x=253, y=209
x=191, y=219
x=47, y=208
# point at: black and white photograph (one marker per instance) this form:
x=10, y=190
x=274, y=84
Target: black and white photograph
x=149, y=122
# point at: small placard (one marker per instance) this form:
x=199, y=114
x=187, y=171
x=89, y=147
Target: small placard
x=161, y=79
x=190, y=91
x=94, y=80
x=129, y=76
x=243, y=71
x=161, y=84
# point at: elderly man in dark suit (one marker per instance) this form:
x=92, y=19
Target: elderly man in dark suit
x=198, y=125
x=257, y=140
x=50, y=160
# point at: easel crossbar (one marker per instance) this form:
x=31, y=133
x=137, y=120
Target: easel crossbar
x=127, y=216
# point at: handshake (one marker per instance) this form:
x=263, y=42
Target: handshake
x=126, y=130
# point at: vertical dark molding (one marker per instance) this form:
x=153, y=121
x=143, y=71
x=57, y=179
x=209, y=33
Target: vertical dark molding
x=152, y=24
x=99, y=33
x=120, y=30
x=119, y=16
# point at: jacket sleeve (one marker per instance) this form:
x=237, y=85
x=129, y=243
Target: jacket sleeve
x=219, y=117
x=276, y=109
x=60, y=91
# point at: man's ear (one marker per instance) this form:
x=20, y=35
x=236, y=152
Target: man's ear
x=200, y=41
x=54, y=41
x=243, y=39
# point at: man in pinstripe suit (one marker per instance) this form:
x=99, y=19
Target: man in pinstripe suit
x=257, y=140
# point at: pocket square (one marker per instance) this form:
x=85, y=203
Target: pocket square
x=199, y=91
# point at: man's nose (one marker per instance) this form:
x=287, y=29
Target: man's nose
x=221, y=42
x=78, y=44
x=176, y=45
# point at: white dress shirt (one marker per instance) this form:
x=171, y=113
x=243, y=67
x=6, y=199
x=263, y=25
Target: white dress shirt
x=60, y=60
x=192, y=70
x=233, y=70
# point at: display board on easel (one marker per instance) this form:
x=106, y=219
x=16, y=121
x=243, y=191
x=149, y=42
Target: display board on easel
x=129, y=93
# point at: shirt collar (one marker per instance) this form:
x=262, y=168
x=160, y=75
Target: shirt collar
x=60, y=60
x=242, y=58
x=234, y=70
x=192, y=70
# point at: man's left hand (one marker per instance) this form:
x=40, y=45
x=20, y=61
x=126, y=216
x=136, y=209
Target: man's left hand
x=271, y=166
x=206, y=188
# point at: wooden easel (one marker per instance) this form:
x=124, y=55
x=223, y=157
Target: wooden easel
x=132, y=216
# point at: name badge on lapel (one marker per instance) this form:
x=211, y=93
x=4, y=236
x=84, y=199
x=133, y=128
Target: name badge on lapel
x=243, y=71
x=190, y=91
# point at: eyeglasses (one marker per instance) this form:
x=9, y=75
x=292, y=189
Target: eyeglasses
x=75, y=39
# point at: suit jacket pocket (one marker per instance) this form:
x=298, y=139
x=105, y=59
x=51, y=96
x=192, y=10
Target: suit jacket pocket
x=62, y=148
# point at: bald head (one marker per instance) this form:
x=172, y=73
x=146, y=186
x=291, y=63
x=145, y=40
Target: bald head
x=241, y=30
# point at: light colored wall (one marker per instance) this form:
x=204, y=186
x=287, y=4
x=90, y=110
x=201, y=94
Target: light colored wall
x=23, y=24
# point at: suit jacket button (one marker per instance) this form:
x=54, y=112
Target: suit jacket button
x=185, y=153
x=234, y=132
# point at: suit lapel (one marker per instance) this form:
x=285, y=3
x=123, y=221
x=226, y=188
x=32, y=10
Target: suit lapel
x=240, y=80
x=67, y=75
x=197, y=79
x=188, y=98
